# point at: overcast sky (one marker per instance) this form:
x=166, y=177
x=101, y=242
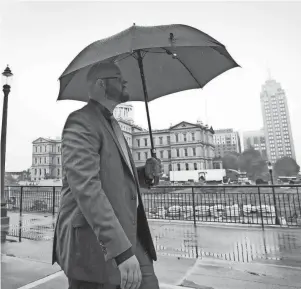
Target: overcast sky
x=39, y=40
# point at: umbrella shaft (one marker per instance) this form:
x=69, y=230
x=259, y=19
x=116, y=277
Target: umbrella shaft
x=140, y=63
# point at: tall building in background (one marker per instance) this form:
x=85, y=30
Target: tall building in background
x=276, y=120
x=255, y=139
x=226, y=140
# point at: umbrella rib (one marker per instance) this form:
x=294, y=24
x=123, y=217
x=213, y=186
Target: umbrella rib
x=169, y=52
x=125, y=57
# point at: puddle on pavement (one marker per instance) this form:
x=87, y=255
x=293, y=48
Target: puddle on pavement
x=237, y=245
x=186, y=241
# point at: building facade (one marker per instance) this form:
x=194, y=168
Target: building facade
x=276, y=120
x=226, y=140
x=255, y=139
x=46, y=159
x=124, y=111
x=185, y=146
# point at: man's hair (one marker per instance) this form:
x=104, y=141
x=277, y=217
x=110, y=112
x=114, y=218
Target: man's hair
x=100, y=70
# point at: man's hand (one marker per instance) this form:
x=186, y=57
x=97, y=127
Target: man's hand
x=130, y=273
x=153, y=169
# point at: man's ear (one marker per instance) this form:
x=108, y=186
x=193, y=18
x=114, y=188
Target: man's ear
x=101, y=83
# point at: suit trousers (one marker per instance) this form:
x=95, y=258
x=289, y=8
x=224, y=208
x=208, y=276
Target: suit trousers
x=149, y=278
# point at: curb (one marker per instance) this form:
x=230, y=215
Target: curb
x=220, y=224
x=59, y=273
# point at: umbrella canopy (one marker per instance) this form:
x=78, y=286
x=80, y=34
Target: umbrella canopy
x=169, y=58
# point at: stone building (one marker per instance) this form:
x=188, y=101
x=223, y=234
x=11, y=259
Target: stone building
x=46, y=159
x=185, y=146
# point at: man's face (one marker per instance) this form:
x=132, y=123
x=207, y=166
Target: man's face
x=116, y=88
x=112, y=82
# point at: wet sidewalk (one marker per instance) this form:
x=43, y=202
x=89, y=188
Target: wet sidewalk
x=202, y=257
x=29, y=268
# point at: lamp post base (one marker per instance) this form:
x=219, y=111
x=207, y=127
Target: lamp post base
x=4, y=222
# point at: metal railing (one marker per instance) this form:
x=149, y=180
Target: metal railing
x=227, y=204
x=223, y=204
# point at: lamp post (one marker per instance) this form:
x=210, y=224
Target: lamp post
x=270, y=167
x=6, y=78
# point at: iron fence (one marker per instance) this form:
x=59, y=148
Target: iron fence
x=223, y=204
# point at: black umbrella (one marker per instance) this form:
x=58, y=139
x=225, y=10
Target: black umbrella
x=155, y=61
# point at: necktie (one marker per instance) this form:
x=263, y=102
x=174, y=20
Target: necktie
x=121, y=140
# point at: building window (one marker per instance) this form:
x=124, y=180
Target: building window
x=177, y=138
x=161, y=154
x=168, y=139
x=35, y=171
x=35, y=160
x=195, y=166
x=160, y=140
x=169, y=154
x=192, y=136
x=185, y=152
x=40, y=160
x=193, y=151
x=138, y=142
x=145, y=142
x=59, y=149
x=36, y=149
x=40, y=171
x=58, y=172
x=138, y=156
x=45, y=160
x=145, y=155
x=187, y=167
x=184, y=137
x=170, y=167
x=45, y=172
x=58, y=161
x=178, y=153
x=179, y=167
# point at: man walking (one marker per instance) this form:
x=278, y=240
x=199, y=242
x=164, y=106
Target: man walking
x=102, y=238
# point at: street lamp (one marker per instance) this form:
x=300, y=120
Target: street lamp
x=6, y=79
x=270, y=167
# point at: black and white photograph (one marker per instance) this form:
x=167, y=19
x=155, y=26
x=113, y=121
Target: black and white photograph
x=150, y=144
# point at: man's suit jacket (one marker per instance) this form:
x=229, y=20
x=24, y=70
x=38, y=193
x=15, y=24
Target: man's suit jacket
x=98, y=217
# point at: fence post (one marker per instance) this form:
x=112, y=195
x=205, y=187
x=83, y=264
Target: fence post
x=21, y=201
x=193, y=206
x=262, y=225
x=53, y=201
